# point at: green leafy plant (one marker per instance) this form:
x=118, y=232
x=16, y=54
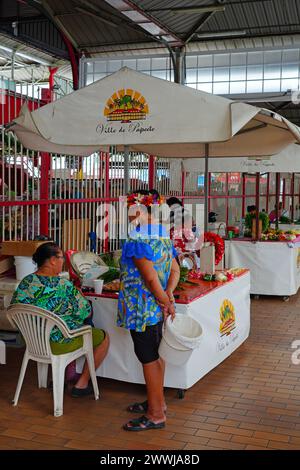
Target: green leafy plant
x=109, y=260
x=110, y=275
x=263, y=216
x=284, y=220
x=183, y=274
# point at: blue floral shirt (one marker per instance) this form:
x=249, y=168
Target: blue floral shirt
x=137, y=307
x=57, y=295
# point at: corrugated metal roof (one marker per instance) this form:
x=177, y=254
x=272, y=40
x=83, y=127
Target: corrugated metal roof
x=89, y=32
x=95, y=23
x=268, y=42
x=27, y=69
x=257, y=17
x=33, y=74
x=16, y=44
x=89, y=27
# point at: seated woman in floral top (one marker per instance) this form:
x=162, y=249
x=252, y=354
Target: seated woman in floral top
x=45, y=289
x=149, y=275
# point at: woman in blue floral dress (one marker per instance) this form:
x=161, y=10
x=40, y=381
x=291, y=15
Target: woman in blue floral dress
x=45, y=289
x=149, y=275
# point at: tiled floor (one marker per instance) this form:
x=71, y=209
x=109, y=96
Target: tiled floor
x=250, y=401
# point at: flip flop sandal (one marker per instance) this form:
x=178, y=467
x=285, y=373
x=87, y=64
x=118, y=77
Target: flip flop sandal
x=142, y=424
x=141, y=407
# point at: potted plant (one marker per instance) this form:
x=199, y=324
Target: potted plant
x=250, y=223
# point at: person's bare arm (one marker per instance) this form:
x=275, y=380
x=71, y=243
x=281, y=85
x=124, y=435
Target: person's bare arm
x=151, y=279
x=173, y=280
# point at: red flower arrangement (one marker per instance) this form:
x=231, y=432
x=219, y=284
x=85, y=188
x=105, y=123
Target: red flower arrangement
x=219, y=244
x=216, y=240
x=144, y=199
x=182, y=238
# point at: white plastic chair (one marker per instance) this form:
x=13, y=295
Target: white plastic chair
x=2, y=352
x=36, y=324
x=82, y=261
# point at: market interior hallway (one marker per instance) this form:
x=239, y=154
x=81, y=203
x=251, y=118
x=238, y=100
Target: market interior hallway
x=250, y=401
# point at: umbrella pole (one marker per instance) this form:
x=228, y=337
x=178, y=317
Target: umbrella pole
x=206, y=188
x=277, y=199
x=257, y=205
x=126, y=169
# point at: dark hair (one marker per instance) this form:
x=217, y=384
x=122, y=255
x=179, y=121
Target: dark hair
x=44, y=252
x=145, y=192
x=173, y=200
x=212, y=217
x=154, y=191
x=251, y=208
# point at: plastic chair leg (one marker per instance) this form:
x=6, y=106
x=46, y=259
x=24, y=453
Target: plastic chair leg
x=58, y=377
x=2, y=352
x=42, y=374
x=91, y=364
x=21, y=378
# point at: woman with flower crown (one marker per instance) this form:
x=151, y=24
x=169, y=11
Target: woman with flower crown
x=149, y=275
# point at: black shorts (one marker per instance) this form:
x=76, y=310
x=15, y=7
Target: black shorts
x=146, y=343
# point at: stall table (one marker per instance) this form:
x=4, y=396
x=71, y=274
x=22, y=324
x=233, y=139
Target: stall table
x=274, y=265
x=203, y=302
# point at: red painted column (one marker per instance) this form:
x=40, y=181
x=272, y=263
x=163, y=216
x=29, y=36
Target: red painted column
x=293, y=197
x=182, y=185
x=268, y=193
x=151, y=174
x=209, y=191
x=45, y=170
x=106, y=183
x=257, y=196
x=243, y=195
x=52, y=72
x=44, y=208
x=227, y=195
x=283, y=194
x=73, y=61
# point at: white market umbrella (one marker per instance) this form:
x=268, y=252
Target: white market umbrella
x=129, y=109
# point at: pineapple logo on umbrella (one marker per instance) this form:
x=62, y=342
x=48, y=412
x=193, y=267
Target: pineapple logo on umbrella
x=227, y=317
x=126, y=105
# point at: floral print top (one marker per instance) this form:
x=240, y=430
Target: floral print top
x=137, y=307
x=56, y=295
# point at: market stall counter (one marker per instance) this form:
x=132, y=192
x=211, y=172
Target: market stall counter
x=274, y=265
x=221, y=308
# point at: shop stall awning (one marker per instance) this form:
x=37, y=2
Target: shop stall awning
x=153, y=116
x=287, y=161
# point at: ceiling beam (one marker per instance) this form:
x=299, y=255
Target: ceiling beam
x=21, y=20
x=57, y=22
x=166, y=35
x=198, y=25
x=97, y=16
x=189, y=10
x=240, y=2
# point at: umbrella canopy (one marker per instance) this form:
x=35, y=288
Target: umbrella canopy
x=287, y=161
x=153, y=116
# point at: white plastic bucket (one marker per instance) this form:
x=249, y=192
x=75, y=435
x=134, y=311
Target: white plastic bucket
x=179, y=339
x=24, y=266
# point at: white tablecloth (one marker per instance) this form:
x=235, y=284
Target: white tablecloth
x=274, y=266
x=122, y=364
